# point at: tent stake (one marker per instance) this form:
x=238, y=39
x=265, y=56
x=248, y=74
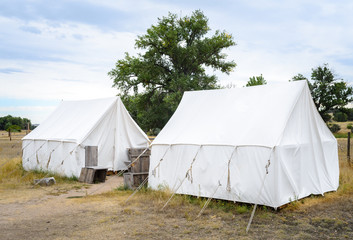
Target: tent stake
x=174, y=193
x=137, y=189
x=208, y=201
x=252, y=216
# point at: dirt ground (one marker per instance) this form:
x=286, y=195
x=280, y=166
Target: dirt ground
x=78, y=211
x=38, y=215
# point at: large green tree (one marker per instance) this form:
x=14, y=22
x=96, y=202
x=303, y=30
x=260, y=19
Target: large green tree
x=328, y=92
x=10, y=120
x=175, y=55
x=256, y=80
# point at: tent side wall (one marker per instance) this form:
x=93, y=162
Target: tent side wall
x=59, y=157
x=241, y=172
x=306, y=157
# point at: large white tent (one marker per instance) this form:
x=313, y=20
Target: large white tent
x=264, y=145
x=58, y=144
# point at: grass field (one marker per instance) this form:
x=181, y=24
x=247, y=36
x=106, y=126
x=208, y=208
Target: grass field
x=35, y=212
x=344, y=130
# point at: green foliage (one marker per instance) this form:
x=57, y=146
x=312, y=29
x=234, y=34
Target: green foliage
x=299, y=77
x=256, y=80
x=123, y=188
x=340, y=116
x=176, y=52
x=9, y=120
x=328, y=92
x=349, y=112
x=334, y=127
x=349, y=126
x=340, y=135
x=12, y=128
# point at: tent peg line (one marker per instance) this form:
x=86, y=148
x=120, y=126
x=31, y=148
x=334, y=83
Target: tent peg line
x=130, y=164
x=174, y=192
x=208, y=200
x=138, y=157
x=137, y=189
x=146, y=179
x=159, y=163
x=252, y=216
x=187, y=175
x=262, y=186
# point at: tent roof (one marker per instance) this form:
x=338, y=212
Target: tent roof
x=241, y=116
x=72, y=120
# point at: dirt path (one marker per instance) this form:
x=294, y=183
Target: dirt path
x=111, y=182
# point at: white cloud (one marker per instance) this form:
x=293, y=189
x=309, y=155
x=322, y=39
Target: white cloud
x=35, y=113
x=69, y=58
x=71, y=68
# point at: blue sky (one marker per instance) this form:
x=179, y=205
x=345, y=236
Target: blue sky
x=62, y=50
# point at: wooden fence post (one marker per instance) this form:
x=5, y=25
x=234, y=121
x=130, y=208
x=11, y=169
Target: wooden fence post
x=349, y=147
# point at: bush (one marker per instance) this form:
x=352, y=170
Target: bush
x=334, y=128
x=349, y=126
x=340, y=117
x=349, y=112
x=326, y=117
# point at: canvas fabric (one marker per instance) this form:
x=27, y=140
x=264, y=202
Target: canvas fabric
x=265, y=145
x=58, y=144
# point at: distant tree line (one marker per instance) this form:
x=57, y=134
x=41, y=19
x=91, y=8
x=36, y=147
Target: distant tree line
x=10, y=121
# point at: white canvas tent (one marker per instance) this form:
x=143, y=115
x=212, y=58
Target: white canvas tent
x=58, y=143
x=264, y=145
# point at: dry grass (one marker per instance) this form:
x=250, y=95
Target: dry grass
x=107, y=215
x=343, y=126
x=14, y=177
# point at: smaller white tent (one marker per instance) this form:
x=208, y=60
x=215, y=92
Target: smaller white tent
x=58, y=144
x=265, y=145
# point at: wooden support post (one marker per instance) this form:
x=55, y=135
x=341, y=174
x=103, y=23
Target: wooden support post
x=349, y=147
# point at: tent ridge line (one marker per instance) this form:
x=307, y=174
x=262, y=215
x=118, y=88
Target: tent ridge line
x=51, y=140
x=225, y=145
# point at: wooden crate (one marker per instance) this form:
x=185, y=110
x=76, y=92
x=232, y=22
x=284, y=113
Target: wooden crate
x=142, y=164
x=132, y=180
x=138, y=171
x=93, y=174
x=137, y=151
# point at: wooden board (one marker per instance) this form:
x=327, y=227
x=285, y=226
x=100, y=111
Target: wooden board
x=87, y=175
x=141, y=165
x=93, y=175
x=134, y=152
x=91, y=156
x=132, y=181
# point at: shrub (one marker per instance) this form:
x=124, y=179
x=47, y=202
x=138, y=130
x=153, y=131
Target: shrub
x=349, y=112
x=326, y=117
x=349, y=126
x=340, y=117
x=334, y=128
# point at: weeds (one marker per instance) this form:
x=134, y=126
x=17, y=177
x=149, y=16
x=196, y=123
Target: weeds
x=12, y=175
